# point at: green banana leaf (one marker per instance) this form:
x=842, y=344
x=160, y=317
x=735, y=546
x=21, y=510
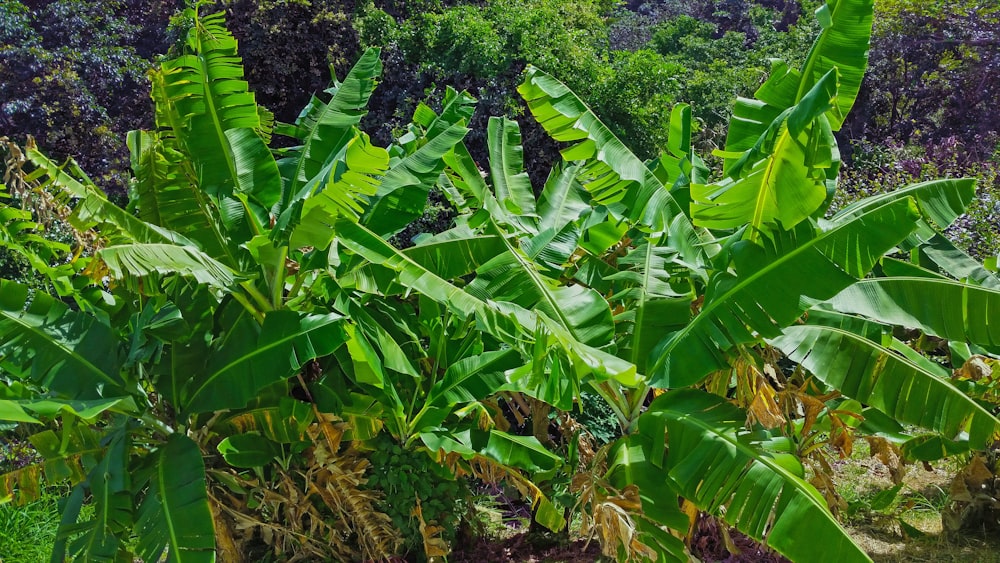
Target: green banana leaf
x=339, y=190
x=510, y=182
x=239, y=367
x=652, y=306
x=876, y=376
x=468, y=380
x=108, y=482
x=788, y=184
x=142, y=260
x=167, y=187
x=205, y=86
x=17, y=410
x=562, y=201
x=940, y=201
x=174, y=514
x=611, y=173
x=324, y=128
x=943, y=308
x=717, y=466
x=843, y=44
x=402, y=196
x=941, y=255
x=770, y=285
x=66, y=352
x=248, y=450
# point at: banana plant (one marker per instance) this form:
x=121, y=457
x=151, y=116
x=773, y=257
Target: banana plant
x=242, y=277
x=752, y=266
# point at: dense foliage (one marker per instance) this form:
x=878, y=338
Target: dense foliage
x=241, y=360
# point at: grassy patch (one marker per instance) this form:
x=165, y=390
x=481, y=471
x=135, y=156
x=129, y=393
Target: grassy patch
x=28, y=532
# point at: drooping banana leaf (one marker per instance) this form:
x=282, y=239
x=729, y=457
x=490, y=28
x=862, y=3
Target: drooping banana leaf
x=17, y=410
x=66, y=352
x=770, y=285
x=629, y=464
x=468, y=380
x=139, y=261
x=238, y=367
x=447, y=258
x=941, y=255
x=174, y=514
x=890, y=382
x=718, y=466
x=611, y=173
x=941, y=201
x=402, y=195
x=939, y=307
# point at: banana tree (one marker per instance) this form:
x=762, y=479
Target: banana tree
x=220, y=284
x=765, y=266
x=252, y=305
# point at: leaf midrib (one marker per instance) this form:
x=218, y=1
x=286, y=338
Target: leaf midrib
x=744, y=282
x=68, y=352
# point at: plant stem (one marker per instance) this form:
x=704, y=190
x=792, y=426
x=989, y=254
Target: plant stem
x=278, y=283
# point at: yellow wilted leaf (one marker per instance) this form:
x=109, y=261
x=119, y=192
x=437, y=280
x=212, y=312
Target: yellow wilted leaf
x=434, y=545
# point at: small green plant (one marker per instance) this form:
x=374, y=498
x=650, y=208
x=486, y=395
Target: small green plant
x=406, y=477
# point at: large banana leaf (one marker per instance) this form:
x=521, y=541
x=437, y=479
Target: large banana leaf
x=174, y=513
x=562, y=200
x=16, y=410
x=166, y=182
x=944, y=308
x=66, y=352
x=629, y=463
x=611, y=173
x=206, y=88
x=504, y=321
x=941, y=201
x=843, y=44
x=402, y=196
x=788, y=184
x=142, y=260
x=652, y=306
x=510, y=182
x=324, y=128
x=771, y=285
x=447, y=258
x=341, y=189
x=942, y=256
x=466, y=381
x=109, y=488
x=890, y=382
x=239, y=367
x=718, y=466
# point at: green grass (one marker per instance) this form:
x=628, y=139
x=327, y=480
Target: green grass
x=28, y=532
